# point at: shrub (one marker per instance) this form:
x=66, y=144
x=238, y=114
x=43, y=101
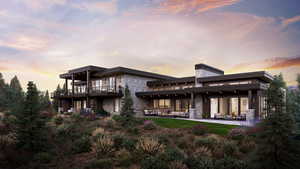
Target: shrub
x=163, y=139
x=230, y=148
x=209, y=142
x=102, y=112
x=58, y=120
x=199, y=163
x=98, y=132
x=7, y=140
x=129, y=144
x=104, y=146
x=124, y=158
x=101, y=163
x=149, y=125
x=177, y=165
x=237, y=134
x=4, y=129
x=199, y=130
x=230, y=163
x=172, y=154
x=149, y=146
x=247, y=146
x=203, y=151
x=153, y=163
x=133, y=131
x=81, y=145
x=118, y=141
x=183, y=143
x=43, y=158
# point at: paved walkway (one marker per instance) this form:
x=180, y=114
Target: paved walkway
x=238, y=123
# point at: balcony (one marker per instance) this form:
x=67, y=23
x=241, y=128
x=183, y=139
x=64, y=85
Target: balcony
x=94, y=91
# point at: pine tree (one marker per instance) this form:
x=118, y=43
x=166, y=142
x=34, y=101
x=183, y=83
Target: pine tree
x=2, y=93
x=127, y=104
x=16, y=95
x=45, y=101
x=31, y=127
x=276, y=148
x=55, y=102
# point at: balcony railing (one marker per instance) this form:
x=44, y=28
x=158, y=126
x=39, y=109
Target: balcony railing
x=82, y=91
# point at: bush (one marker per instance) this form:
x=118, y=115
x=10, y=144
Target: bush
x=200, y=163
x=163, y=139
x=247, y=146
x=149, y=146
x=81, y=145
x=104, y=146
x=118, y=141
x=134, y=131
x=153, y=163
x=230, y=163
x=199, y=130
x=102, y=163
x=209, y=142
x=177, y=165
x=102, y=112
x=58, y=120
x=129, y=144
x=149, y=125
x=43, y=158
x=203, y=151
x=237, y=133
x=98, y=132
x=230, y=148
x=124, y=158
x=7, y=140
x=172, y=154
x=4, y=129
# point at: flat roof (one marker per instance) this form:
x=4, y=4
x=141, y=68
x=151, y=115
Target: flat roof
x=209, y=68
x=190, y=79
x=262, y=75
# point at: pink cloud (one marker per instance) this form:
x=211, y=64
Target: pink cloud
x=194, y=6
x=292, y=20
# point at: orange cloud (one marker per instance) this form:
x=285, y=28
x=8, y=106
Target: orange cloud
x=292, y=20
x=267, y=64
x=195, y=6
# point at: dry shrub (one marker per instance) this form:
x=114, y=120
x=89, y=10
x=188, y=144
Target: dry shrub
x=177, y=165
x=104, y=146
x=98, y=131
x=149, y=146
x=7, y=140
x=247, y=146
x=203, y=151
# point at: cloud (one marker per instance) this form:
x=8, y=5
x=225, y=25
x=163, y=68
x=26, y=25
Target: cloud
x=289, y=21
x=106, y=7
x=193, y=6
x=42, y=4
x=25, y=42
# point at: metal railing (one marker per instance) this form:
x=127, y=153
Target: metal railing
x=84, y=91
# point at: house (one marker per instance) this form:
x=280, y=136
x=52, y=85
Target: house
x=208, y=94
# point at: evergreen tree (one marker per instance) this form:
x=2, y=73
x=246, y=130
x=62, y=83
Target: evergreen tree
x=55, y=102
x=127, y=104
x=16, y=95
x=45, y=101
x=276, y=149
x=31, y=127
x=2, y=93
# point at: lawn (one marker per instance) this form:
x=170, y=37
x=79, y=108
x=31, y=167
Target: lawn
x=220, y=129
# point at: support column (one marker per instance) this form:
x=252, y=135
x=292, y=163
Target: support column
x=192, y=111
x=73, y=90
x=239, y=105
x=250, y=99
x=67, y=88
x=88, y=84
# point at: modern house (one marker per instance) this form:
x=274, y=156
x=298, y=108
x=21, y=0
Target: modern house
x=207, y=94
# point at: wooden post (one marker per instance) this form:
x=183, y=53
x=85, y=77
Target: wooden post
x=88, y=104
x=73, y=90
x=66, y=89
x=239, y=105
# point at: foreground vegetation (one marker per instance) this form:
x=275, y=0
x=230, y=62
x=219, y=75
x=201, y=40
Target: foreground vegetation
x=220, y=129
x=31, y=137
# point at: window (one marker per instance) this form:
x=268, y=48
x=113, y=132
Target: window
x=161, y=103
x=214, y=107
x=234, y=106
x=244, y=105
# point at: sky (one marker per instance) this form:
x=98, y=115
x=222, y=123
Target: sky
x=40, y=39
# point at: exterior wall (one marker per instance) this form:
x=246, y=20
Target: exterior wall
x=136, y=84
x=203, y=73
x=198, y=106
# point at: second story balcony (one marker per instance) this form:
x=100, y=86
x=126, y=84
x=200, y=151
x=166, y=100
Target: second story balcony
x=93, y=91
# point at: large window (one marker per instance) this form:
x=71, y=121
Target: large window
x=182, y=105
x=214, y=107
x=234, y=106
x=161, y=103
x=244, y=105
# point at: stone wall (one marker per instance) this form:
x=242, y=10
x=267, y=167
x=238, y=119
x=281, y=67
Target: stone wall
x=198, y=106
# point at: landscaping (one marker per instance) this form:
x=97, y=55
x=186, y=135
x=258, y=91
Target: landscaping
x=220, y=129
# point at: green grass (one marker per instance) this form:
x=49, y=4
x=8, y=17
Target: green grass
x=220, y=129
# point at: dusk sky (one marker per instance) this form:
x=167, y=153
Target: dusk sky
x=40, y=39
